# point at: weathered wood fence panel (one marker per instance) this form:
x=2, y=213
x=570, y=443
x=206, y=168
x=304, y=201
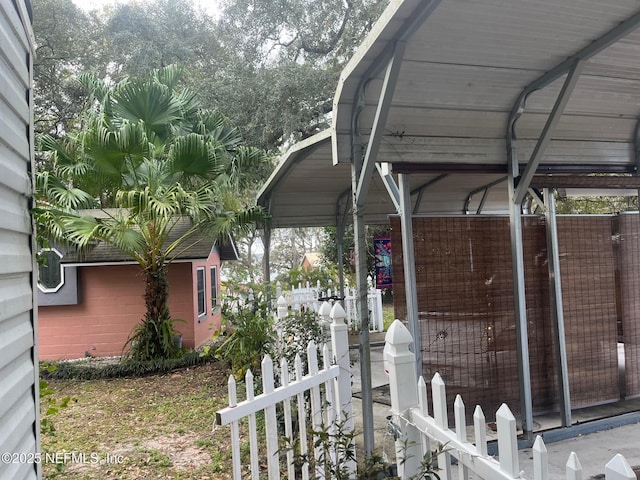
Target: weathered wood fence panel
x=421, y=431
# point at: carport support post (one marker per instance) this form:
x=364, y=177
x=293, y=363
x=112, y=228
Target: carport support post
x=360, y=244
x=555, y=286
x=409, y=266
x=340, y=254
x=520, y=307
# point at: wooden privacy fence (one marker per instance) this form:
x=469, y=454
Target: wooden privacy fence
x=321, y=398
x=420, y=432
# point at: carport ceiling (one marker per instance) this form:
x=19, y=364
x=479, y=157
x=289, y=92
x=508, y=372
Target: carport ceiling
x=465, y=65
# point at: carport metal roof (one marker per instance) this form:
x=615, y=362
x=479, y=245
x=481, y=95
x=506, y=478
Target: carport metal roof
x=470, y=106
x=466, y=71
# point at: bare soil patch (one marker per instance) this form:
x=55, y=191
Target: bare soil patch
x=141, y=428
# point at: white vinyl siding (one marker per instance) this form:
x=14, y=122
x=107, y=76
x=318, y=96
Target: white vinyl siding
x=19, y=423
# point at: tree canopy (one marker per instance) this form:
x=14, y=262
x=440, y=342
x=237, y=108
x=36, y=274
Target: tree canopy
x=272, y=67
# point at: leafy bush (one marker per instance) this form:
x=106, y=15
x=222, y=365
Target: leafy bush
x=337, y=450
x=295, y=332
x=125, y=368
x=154, y=338
x=249, y=332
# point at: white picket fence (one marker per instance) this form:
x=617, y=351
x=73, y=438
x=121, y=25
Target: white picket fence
x=421, y=432
x=329, y=393
x=374, y=302
x=310, y=298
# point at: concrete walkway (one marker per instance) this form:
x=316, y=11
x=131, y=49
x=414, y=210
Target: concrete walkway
x=594, y=450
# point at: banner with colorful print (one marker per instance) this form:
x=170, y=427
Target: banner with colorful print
x=382, y=249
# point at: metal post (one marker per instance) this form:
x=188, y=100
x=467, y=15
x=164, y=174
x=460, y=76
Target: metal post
x=360, y=244
x=520, y=308
x=360, y=248
x=341, y=220
x=340, y=253
x=555, y=287
x=408, y=260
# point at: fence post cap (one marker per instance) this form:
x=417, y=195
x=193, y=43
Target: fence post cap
x=619, y=464
x=337, y=313
x=573, y=463
x=539, y=445
x=398, y=334
x=325, y=309
x=282, y=301
x=505, y=412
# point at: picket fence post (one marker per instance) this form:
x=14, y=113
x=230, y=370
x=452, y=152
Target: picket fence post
x=283, y=310
x=324, y=312
x=340, y=350
x=507, y=441
x=399, y=363
x=270, y=420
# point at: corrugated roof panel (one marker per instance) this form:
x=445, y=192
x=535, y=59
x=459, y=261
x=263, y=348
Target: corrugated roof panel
x=533, y=34
x=433, y=85
x=438, y=122
x=578, y=128
x=463, y=70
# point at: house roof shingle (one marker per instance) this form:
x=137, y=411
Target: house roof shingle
x=198, y=247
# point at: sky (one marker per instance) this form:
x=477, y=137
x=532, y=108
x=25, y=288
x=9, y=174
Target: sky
x=211, y=6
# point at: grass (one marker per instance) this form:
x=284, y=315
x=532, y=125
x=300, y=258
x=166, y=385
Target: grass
x=387, y=316
x=155, y=427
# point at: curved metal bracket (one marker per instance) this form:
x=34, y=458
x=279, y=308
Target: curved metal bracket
x=485, y=189
x=420, y=190
x=612, y=36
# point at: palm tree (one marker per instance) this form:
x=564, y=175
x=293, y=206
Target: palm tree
x=148, y=158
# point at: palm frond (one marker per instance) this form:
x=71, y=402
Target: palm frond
x=168, y=76
x=149, y=102
x=51, y=190
x=194, y=156
x=95, y=87
x=231, y=222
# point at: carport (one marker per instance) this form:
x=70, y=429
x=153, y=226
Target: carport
x=472, y=107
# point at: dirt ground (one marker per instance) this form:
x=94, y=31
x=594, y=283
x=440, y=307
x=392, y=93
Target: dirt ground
x=141, y=428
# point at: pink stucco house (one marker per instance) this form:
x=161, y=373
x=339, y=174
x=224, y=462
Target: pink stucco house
x=88, y=304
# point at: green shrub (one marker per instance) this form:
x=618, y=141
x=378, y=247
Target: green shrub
x=249, y=335
x=125, y=368
x=296, y=331
x=154, y=338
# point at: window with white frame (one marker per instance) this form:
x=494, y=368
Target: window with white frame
x=50, y=270
x=213, y=274
x=200, y=284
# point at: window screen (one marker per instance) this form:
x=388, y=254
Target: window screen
x=201, y=291
x=214, y=287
